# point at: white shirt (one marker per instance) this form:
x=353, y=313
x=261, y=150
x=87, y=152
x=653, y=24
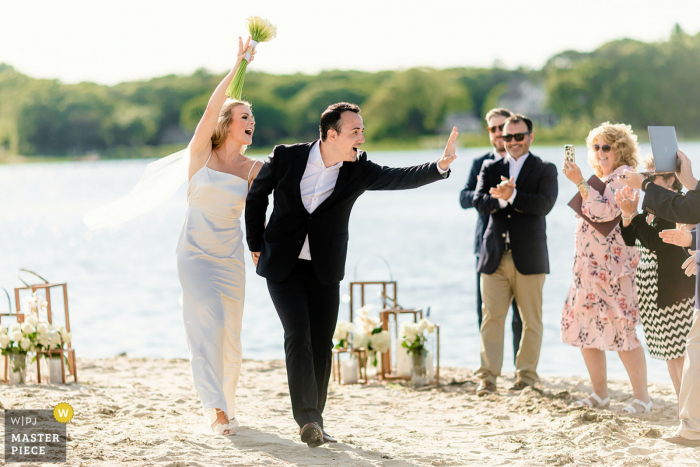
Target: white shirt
x=317, y=184
x=514, y=167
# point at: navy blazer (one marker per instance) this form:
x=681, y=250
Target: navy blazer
x=524, y=219
x=676, y=207
x=281, y=241
x=466, y=199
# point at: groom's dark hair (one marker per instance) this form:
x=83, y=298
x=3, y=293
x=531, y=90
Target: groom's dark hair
x=330, y=118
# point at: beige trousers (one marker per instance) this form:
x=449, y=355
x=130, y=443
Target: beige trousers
x=689, y=398
x=497, y=292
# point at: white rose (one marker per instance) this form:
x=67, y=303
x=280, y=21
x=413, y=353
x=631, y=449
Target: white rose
x=55, y=340
x=14, y=327
x=27, y=328
x=360, y=340
x=340, y=331
x=32, y=319
x=409, y=331
x=381, y=341
x=431, y=328
x=4, y=341
x=44, y=340
x=17, y=336
x=24, y=343
x=3, y=329
x=422, y=325
x=67, y=337
x=42, y=328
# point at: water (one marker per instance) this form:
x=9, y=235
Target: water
x=123, y=285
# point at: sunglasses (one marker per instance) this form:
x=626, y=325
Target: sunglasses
x=492, y=129
x=651, y=177
x=516, y=136
x=604, y=148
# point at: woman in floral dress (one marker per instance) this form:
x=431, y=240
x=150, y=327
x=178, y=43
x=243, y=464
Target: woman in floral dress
x=602, y=309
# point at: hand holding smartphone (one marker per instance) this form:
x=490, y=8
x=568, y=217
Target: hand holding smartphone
x=570, y=153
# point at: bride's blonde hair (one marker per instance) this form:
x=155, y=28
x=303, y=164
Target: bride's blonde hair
x=225, y=119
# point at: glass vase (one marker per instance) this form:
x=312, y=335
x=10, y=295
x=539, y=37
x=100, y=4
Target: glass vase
x=18, y=368
x=55, y=371
x=419, y=374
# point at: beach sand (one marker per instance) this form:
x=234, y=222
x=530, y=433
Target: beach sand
x=145, y=412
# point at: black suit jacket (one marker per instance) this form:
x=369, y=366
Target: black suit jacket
x=466, y=199
x=281, y=241
x=524, y=219
x=673, y=285
x=676, y=207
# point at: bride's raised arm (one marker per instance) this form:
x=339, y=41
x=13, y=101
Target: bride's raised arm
x=200, y=145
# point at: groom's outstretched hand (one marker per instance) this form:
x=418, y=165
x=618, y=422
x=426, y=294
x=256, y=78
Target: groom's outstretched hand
x=256, y=257
x=450, y=151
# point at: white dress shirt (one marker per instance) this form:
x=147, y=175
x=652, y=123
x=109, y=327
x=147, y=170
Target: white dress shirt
x=514, y=166
x=317, y=184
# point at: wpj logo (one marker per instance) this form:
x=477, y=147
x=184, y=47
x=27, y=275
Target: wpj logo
x=36, y=435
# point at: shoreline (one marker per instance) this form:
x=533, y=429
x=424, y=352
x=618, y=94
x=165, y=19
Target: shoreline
x=143, y=411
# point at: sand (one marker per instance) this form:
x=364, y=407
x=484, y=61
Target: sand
x=145, y=412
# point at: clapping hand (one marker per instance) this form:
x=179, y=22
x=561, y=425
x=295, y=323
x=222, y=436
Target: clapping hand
x=679, y=237
x=450, y=150
x=690, y=265
x=628, y=200
x=503, y=190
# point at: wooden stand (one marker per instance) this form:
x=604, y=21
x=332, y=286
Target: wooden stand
x=384, y=316
x=362, y=367
x=70, y=352
x=385, y=298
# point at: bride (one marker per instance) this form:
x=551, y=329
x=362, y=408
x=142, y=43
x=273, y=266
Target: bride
x=210, y=257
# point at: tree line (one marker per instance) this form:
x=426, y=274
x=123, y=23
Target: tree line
x=624, y=80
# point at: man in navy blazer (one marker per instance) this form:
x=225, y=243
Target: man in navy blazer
x=517, y=192
x=678, y=207
x=495, y=119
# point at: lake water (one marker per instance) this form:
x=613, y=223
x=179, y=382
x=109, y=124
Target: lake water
x=123, y=286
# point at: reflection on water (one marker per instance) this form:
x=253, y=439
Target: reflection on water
x=123, y=285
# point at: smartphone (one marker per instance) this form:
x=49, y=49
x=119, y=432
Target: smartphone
x=570, y=153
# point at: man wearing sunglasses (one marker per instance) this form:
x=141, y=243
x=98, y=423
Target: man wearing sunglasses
x=495, y=120
x=517, y=192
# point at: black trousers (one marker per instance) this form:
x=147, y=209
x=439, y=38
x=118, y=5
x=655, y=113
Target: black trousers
x=516, y=326
x=308, y=311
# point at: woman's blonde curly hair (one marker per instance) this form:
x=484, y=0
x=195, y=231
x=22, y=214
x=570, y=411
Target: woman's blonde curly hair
x=621, y=138
x=225, y=119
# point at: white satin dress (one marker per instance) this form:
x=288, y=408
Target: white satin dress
x=211, y=268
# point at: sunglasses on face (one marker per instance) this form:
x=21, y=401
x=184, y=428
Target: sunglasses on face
x=651, y=177
x=492, y=129
x=604, y=148
x=516, y=136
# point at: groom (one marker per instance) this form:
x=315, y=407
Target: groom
x=301, y=252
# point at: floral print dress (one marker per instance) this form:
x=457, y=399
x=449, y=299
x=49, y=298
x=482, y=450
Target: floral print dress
x=602, y=309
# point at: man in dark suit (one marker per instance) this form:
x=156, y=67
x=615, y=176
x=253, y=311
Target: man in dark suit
x=301, y=252
x=495, y=119
x=517, y=191
x=677, y=207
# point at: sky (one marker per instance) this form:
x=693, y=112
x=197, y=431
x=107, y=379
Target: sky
x=110, y=41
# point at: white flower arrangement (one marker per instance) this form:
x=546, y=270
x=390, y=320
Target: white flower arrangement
x=372, y=337
x=414, y=337
x=342, y=333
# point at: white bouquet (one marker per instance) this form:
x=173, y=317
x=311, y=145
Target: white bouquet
x=342, y=332
x=414, y=337
x=372, y=338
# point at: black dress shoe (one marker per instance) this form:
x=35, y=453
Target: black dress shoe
x=311, y=434
x=328, y=438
